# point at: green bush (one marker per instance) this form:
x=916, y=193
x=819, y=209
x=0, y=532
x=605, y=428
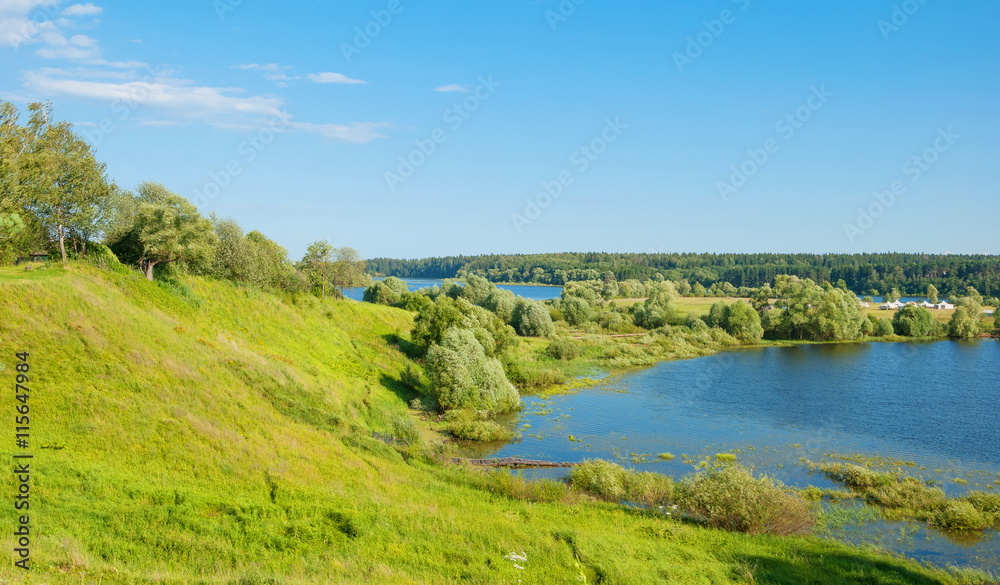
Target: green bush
x=908, y=493
x=988, y=504
x=856, y=477
x=648, y=488
x=563, y=349
x=463, y=424
x=730, y=498
x=600, y=478
x=403, y=428
x=958, y=516
x=462, y=376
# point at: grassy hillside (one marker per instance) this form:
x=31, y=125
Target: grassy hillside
x=204, y=433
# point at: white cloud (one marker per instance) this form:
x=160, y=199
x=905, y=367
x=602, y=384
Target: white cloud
x=269, y=67
x=356, y=133
x=452, y=87
x=182, y=101
x=328, y=77
x=87, y=9
x=181, y=97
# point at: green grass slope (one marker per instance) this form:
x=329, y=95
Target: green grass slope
x=205, y=433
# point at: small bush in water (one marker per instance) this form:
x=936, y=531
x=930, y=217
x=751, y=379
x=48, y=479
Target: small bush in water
x=729, y=497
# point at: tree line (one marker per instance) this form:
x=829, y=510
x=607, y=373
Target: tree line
x=864, y=273
x=56, y=197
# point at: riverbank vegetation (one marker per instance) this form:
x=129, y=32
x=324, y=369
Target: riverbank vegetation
x=868, y=274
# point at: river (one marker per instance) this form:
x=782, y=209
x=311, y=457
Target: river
x=933, y=405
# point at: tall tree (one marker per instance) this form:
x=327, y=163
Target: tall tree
x=60, y=180
x=168, y=228
x=932, y=294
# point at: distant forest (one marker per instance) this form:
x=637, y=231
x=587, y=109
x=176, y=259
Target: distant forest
x=863, y=273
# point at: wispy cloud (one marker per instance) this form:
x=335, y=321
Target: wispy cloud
x=453, y=87
x=268, y=67
x=279, y=73
x=328, y=77
x=181, y=101
x=357, y=132
x=87, y=9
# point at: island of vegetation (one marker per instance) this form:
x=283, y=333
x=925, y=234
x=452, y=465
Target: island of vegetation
x=209, y=411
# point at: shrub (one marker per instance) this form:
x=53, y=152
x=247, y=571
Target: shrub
x=465, y=425
x=403, y=428
x=576, y=311
x=988, y=504
x=732, y=499
x=530, y=319
x=648, y=488
x=856, y=477
x=600, y=478
x=563, y=349
x=462, y=376
x=515, y=486
x=883, y=328
x=909, y=493
x=913, y=321
x=958, y=516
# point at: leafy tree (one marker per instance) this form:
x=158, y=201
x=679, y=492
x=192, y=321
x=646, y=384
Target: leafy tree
x=743, y=323
x=476, y=289
x=501, y=303
x=577, y=311
x=884, y=327
x=446, y=313
x=932, y=294
x=55, y=176
x=657, y=310
x=386, y=292
x=168, y=228
x=334, y=268
x=698, y=290
x=892, y=296
x=717, y=314
x=530, y=319
x=868, y=326
x=463, y=376
x=838, y=315
x=965, y=322
x=913, y=321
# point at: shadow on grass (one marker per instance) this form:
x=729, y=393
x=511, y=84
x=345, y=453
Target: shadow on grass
x=404, y=392
x=833, y=568
x=404, y=345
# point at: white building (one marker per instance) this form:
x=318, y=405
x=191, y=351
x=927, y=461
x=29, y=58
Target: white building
x=944, y=305
x=892, y=306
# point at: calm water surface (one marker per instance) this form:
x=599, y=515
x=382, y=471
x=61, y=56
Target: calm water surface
x=935, y=405
x=528, y=291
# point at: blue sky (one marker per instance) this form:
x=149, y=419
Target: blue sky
x=542, y=126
